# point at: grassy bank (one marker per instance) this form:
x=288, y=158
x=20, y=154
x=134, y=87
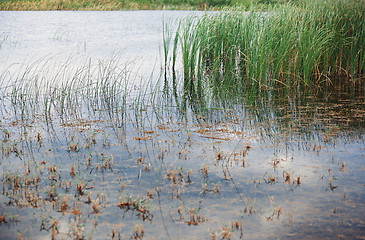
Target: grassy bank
x=102, y=5
x=293, y=46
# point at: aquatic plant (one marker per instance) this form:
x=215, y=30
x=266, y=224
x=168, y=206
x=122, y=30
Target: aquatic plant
x=66, y=90
x=289, y=46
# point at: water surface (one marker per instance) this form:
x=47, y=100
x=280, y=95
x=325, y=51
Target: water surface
x=81, y=163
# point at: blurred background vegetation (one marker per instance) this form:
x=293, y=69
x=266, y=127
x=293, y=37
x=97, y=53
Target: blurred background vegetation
x=9, y=5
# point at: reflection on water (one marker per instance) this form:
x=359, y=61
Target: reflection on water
x=136, y=35
x=80, y=161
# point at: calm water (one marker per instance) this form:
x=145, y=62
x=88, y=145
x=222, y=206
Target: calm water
x=282, y=168
x=134, y=35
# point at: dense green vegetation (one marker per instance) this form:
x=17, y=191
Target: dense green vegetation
x=130, y=4
x=292, y=46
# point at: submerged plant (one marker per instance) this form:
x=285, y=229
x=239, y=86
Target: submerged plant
x=136, y=204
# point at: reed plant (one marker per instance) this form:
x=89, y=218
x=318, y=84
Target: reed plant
x=292, y=46
x=68, y=91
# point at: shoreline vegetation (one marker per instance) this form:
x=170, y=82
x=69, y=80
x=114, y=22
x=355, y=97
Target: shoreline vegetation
x=302, y=47
x=114, y=5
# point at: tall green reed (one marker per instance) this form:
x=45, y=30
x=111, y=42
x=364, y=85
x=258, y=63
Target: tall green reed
x=68, y=90
x=289, y=46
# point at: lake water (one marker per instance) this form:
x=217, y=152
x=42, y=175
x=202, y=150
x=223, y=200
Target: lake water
x=134, y=35
x=79, y=163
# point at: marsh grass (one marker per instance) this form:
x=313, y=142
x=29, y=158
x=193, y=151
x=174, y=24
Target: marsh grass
x=292, y=47
x=69, y=90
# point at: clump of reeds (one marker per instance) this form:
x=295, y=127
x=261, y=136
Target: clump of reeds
x=290, y=46
x=136, y=204
x=66, y=90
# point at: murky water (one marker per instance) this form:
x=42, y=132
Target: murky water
x=285, y=167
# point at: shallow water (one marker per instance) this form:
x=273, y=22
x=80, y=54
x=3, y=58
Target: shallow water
x=134, y=35
x=288, y=167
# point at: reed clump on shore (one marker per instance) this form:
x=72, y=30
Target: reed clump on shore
x=291, y=46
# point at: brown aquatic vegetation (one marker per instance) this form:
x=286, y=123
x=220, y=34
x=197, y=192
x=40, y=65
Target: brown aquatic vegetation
x=64, y=205
x=204, y=170
x=142, y=138
x=298, y=180
x=88, y=198
x=188, y=176
x=149, y=194
x=135, y=204
x=73, y=147
x=113, y=233
x=22, y=189
x=249, y=209
x=194, y=217
x=276, y=213
x=96, y=205
x=3, y=219
x=275, y=162
x=76, y=227
x=215, y=188
x=52, y=169
x=225, y=172
x=39, y=139
x=72, y=173
x=54, y=227
x=331, y=186
x=270, y=179
x=287, y=177
x=139, y=232
x=219, y=156
x=79, y=189
x=226, y=232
